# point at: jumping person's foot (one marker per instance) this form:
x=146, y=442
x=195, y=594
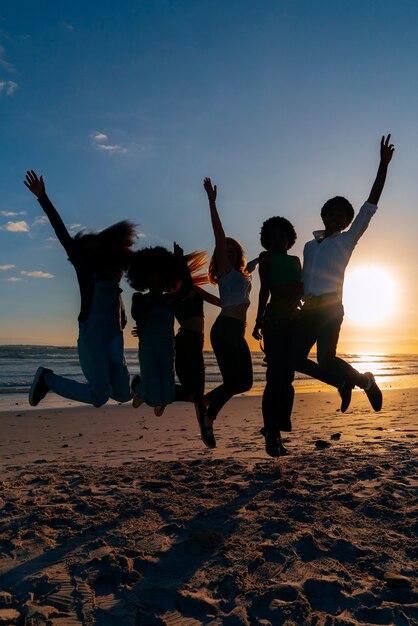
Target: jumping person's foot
x=373, y=392
x=39, y=387
x=206, y=429
x=159, y=410
x=274, y=446
x=136, y=400
x=345, y=392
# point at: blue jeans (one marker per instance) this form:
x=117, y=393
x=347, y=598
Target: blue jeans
x=156, y=364
x=100, y=349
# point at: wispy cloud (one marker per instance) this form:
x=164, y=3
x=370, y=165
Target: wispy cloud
x=111, y=148
x=12, y=213
x=8, y=87
x=100, y=140
x=6, y=267
x=67, y=26
x=37, y=274
x=16, y=227
x=40, y=220
x=13, y=279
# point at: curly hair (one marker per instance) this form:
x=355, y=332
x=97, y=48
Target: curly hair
x=108, y=251
x=339, y=202
x=239, y=265
x=156, y=260
x=169, y=266
x=277, y=223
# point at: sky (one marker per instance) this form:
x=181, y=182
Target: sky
x=125, y=107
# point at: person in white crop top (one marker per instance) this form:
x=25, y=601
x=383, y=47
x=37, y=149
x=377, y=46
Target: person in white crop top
x=228, y=270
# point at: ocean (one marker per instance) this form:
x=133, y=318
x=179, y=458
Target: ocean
x=19, y=363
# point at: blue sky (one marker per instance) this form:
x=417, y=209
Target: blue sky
x=125, y=107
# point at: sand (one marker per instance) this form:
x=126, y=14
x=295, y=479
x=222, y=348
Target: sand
x=112, y=516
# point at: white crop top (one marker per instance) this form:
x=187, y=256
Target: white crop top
x=234, y=289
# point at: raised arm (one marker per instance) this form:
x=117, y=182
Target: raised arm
x=221, y=254
x=386, y=152
x=37, y=187
x=263, y=296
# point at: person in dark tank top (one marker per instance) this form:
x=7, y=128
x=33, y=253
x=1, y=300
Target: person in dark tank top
x=279, y=298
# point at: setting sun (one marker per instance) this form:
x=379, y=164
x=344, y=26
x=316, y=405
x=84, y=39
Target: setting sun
x=369, y=295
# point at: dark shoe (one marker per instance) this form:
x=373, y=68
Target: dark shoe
x=136, y=400
x=206, y=432
x=39, y=388
x=345, y=393
x=274, y=446
x=373, y=393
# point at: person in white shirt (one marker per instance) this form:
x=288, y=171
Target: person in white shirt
x=325, y=259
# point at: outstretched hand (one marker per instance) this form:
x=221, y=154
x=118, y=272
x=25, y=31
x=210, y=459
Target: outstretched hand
x=34, y=184
x=210, y=189
x=178, y=250
x=386, y=150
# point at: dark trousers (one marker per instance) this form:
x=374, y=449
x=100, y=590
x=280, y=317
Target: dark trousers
x=320, y=322
x=190, y=367
x=234, y=361
x=278, y=393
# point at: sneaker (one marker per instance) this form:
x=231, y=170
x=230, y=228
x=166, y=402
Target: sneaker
x=274, y=446
x=136, y=400
x=39, y=388
x=345, y=392
x=373, y=393
x=159, y=410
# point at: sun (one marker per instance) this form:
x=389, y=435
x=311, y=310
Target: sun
x=370, y=295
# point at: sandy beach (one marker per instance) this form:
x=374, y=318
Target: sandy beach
x=112, y=516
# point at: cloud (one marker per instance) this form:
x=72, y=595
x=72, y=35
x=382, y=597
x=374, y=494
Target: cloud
x=40, y=220
x=12, y=213
x=6, y=267
x=110, y=148
x=9, y=86
x=16, y=227
x=13, y=279
x=37, y=274
x=98, y=138
x=67, y=26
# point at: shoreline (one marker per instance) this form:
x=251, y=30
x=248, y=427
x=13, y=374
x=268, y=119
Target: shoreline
x=8, y=401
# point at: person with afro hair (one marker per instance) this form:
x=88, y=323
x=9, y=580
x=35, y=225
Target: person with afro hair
x=279, y=298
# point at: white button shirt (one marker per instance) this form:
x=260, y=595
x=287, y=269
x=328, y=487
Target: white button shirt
x=325, y=261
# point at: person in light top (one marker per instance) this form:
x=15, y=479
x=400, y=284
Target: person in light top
x=227, y=269
x=325, y=259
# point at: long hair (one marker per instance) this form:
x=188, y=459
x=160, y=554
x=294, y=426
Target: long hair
x=240, y=264
x=196, y=261
x=108, y=251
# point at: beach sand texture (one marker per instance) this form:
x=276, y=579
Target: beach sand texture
x=115, y=517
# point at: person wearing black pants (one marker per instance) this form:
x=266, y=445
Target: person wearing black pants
x=280, y=280
x=227, y=269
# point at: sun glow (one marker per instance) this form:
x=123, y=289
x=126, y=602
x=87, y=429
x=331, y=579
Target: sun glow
x=370, y=295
